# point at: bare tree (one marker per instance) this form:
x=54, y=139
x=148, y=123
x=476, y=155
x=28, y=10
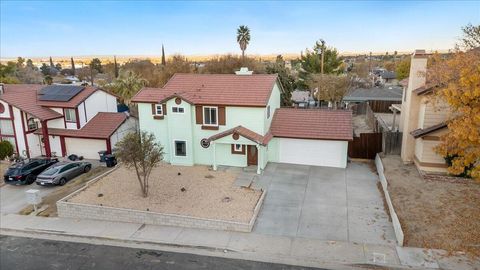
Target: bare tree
x=140, y=151
x=331, y=88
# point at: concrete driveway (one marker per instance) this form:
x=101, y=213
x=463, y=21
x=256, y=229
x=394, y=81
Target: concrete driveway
x=13, y=198
x=324, y=203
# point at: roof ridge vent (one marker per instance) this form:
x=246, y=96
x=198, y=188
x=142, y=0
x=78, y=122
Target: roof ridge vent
x=244, y=71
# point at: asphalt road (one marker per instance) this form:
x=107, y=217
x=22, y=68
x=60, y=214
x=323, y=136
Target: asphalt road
x=27, y=253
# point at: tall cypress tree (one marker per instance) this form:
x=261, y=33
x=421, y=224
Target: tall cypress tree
x=163, y=56
x=73, y=66
x=51, y=62
x=115, y=66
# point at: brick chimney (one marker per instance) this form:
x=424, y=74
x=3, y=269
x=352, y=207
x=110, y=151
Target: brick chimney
x=411, y=103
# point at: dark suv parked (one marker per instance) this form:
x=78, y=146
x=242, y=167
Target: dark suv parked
x=25, y=172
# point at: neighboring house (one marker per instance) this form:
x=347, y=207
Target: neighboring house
x=59, y=120
x=302, y=99
x=380, y=99
x=236, y=120
x=422, y=121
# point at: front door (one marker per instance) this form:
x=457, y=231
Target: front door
x=252, y=155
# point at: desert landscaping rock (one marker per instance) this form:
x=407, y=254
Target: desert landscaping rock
x=202, y=197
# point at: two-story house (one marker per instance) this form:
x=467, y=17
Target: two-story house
x=236, y=120
x=59, y=120
x=423, y=120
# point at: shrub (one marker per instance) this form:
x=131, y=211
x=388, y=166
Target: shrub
x=6, y=149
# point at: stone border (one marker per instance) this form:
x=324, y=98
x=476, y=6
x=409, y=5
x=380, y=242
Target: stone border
x=397, y=226
x=86, y=211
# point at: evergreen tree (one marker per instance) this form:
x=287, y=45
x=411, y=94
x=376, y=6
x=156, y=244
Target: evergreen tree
x=73, y=66
x=51, y=62
x=163, y=56
x=115, y=66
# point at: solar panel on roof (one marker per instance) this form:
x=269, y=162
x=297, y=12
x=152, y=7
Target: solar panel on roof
x=59, y=92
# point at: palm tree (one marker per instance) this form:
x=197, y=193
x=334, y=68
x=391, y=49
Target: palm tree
x=127, y=85
x=243, y=38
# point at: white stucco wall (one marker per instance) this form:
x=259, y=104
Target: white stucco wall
x=88, y=148
x=130, y=125
x=6, y=113
x=99, y=101
x=313, y=152
x=17, y=115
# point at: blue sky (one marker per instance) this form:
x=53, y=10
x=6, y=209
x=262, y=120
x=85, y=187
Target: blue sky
x=196, y=28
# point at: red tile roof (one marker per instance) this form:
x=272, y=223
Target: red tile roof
x=217, y=89
x=244, y=132
x=101, y=126
x=312, y=124
x=24, y=97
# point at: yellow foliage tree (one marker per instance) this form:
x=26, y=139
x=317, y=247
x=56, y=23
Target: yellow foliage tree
x=458, y=81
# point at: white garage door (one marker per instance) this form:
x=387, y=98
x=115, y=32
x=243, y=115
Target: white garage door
x=88, y=148
x=313, y=152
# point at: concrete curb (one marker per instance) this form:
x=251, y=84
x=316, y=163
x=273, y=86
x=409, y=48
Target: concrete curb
x=198, y=249
x=397, y=226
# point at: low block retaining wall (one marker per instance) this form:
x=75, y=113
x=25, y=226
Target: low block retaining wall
x=397, y=227
x=86, y=211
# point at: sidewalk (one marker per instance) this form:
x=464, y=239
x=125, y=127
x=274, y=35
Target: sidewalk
x=250, y=246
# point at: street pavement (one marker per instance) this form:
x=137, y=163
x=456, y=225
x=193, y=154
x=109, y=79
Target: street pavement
x=28, y=253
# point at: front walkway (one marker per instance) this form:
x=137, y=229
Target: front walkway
x=323, y=203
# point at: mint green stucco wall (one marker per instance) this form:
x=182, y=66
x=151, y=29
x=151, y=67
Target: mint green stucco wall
x=274, y=103
x=180, y=129
x=183, y=127
x=157, y=127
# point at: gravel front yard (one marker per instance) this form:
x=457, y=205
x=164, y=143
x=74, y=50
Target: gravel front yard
x=208, y=194
x=434, y=214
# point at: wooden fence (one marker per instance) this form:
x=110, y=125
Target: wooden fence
x=366, y=146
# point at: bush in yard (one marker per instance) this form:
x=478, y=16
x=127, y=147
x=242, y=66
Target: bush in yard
x=6, y=149
x=140, y=151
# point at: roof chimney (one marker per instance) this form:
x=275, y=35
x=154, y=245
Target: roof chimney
x=244, y=71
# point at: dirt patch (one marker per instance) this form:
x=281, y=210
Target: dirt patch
x=49, y=202
x=185, y=190
x=434, y=214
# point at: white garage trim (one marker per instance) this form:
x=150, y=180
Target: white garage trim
x=313, y=152
x=88, y=148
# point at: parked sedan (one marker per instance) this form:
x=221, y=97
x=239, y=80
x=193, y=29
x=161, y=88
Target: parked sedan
x=62, y=172
x=25, y=172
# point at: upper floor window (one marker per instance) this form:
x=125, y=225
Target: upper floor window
x=6, y=127
x=158, y=109
x=178, y=110
x=210, y=116
x=70, y=115
x=268, y=111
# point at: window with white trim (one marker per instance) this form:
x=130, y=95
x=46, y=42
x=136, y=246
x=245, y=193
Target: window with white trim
x=210, y=116
x=268, y=111
x=238, y=148
x=178, y=110
x=158, y=109
x=70, y=115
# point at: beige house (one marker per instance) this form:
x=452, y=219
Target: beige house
x=422, y=121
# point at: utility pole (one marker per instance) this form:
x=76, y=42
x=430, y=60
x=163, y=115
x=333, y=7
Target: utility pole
x=323, y=55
